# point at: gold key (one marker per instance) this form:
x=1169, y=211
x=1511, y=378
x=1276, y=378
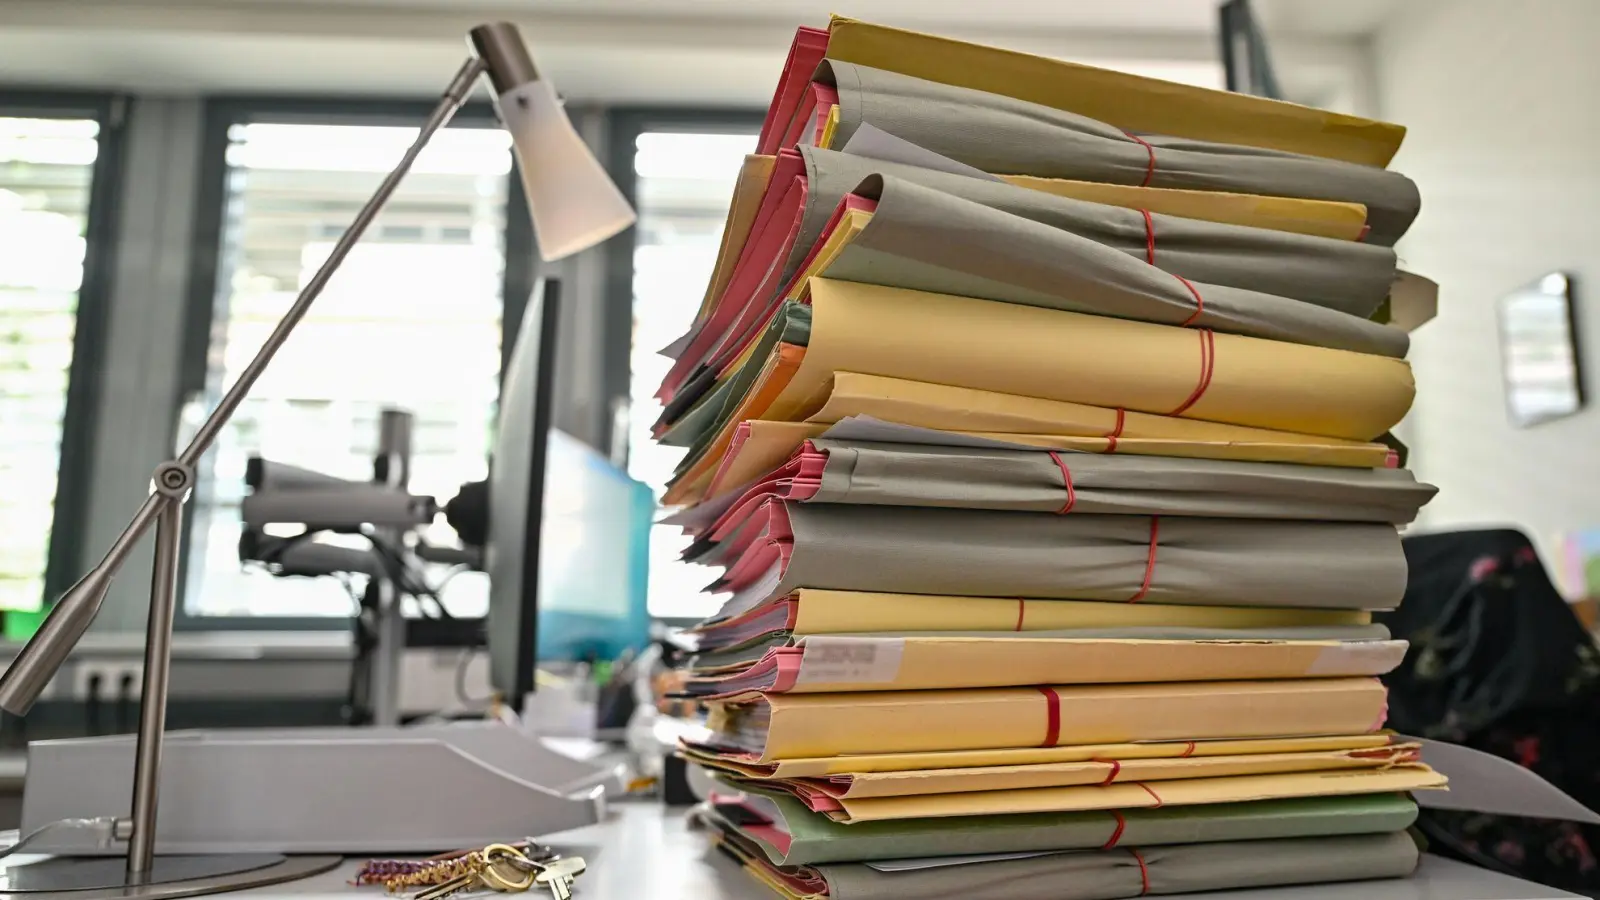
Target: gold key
x=454, y=886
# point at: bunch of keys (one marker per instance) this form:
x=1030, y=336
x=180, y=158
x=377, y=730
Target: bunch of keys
x=498, y=867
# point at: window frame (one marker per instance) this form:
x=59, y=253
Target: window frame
x=624, y=124
x=623, y=127
x=199, y=317
x=65, y=554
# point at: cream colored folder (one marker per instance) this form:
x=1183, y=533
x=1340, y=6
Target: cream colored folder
x=858, y=786
x=1135, y=795
x=856, y=612
x=810, y=725
x=748, y=191
x=1056, y=355
x=826, y=766
x=1322, y=218
x=823, y=664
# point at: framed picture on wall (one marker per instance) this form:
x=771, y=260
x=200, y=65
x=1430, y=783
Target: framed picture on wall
x=1539, y=351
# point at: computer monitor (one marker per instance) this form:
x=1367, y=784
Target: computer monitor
x=568, y=542
x=516, y=495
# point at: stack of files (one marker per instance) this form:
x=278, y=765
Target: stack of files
x=1035, y=426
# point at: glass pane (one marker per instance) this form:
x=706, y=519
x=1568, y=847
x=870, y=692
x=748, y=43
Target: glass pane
x=684, y=184
x=411, y=320
x=45, y=170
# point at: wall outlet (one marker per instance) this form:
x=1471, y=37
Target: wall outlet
x=111, y=673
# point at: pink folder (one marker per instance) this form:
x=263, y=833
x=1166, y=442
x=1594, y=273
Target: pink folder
x=805, y=54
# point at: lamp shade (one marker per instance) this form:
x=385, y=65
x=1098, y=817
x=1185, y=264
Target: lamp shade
x=574, y=203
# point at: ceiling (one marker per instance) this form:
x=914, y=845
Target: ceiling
x=680, y=52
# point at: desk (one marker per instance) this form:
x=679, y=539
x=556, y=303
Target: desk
x=647, y=853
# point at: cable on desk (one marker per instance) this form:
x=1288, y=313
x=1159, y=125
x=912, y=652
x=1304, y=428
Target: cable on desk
x=109, y=830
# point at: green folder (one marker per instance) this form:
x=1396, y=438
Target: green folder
x=814, y=838
x=696, y=427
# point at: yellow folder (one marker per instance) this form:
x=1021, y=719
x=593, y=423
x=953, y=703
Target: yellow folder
x=807, y=725
x=754, y=175
x=822, y=767
x=1131, y=102
x=852, y=663
x=1107, y=770
x=1322, y=218
x=945, y=407
x=1134, y=795
x=1064, y=356
x=856, y=612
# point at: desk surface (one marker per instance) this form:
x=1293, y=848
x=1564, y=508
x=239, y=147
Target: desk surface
x=645, y=851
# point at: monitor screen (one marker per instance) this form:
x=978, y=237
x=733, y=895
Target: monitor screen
x=585, y=522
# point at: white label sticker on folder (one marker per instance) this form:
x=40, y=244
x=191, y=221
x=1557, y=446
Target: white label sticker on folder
x=1358, y=658
x=850, y=660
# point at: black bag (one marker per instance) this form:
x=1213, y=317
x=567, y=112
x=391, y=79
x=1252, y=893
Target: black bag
x=1499, y=662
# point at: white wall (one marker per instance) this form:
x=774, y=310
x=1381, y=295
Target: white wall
x=1502, y=99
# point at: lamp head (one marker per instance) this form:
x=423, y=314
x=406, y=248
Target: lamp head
x=574, y=203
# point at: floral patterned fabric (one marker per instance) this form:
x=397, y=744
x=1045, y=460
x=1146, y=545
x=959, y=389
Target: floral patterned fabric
x=1499, y=663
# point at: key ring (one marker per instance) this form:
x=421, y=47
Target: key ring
x=510, y=854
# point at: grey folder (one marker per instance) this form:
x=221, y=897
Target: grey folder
x=983, y=553
x=930, y=240
x=1007, y=136
x=985, y=478
x=1118, y=873
x=1348, y=276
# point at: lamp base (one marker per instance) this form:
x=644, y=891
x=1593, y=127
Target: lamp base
x=106, y=877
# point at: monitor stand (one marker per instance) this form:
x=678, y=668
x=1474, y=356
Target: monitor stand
x=324, y=790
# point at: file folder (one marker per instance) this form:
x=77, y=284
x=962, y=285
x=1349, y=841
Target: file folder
x=810, y=611
x=984, y=553
x=788, y=834
x=1007, y=136
x=844, y=663
x=1182, y=792
x=1104, y=874
x=1100, y=771
x=745, y=766
x=1132, y=102
x=825, y=470
x=788, y=726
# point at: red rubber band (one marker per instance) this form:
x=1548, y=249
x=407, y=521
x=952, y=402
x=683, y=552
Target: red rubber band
x=1122, y=417
x=1066, y=476
x=1150, y=561
x=1153, y=795
x=1022, y=610
x=1149, y=238
x=1144, y=871
x=1199, y=304
x=1116, y=834
x=1188, y=751
x=1208, y=352
x=1052, y=727
x=1116, y=769
x=1150, y=167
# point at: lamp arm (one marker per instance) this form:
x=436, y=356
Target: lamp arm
x=174, y=478
x=454, y=96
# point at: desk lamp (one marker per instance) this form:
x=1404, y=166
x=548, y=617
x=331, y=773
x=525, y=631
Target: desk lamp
x=574, y=206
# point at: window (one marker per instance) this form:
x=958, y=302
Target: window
x=47, y=170
x=411, y=320
x=683, y=177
